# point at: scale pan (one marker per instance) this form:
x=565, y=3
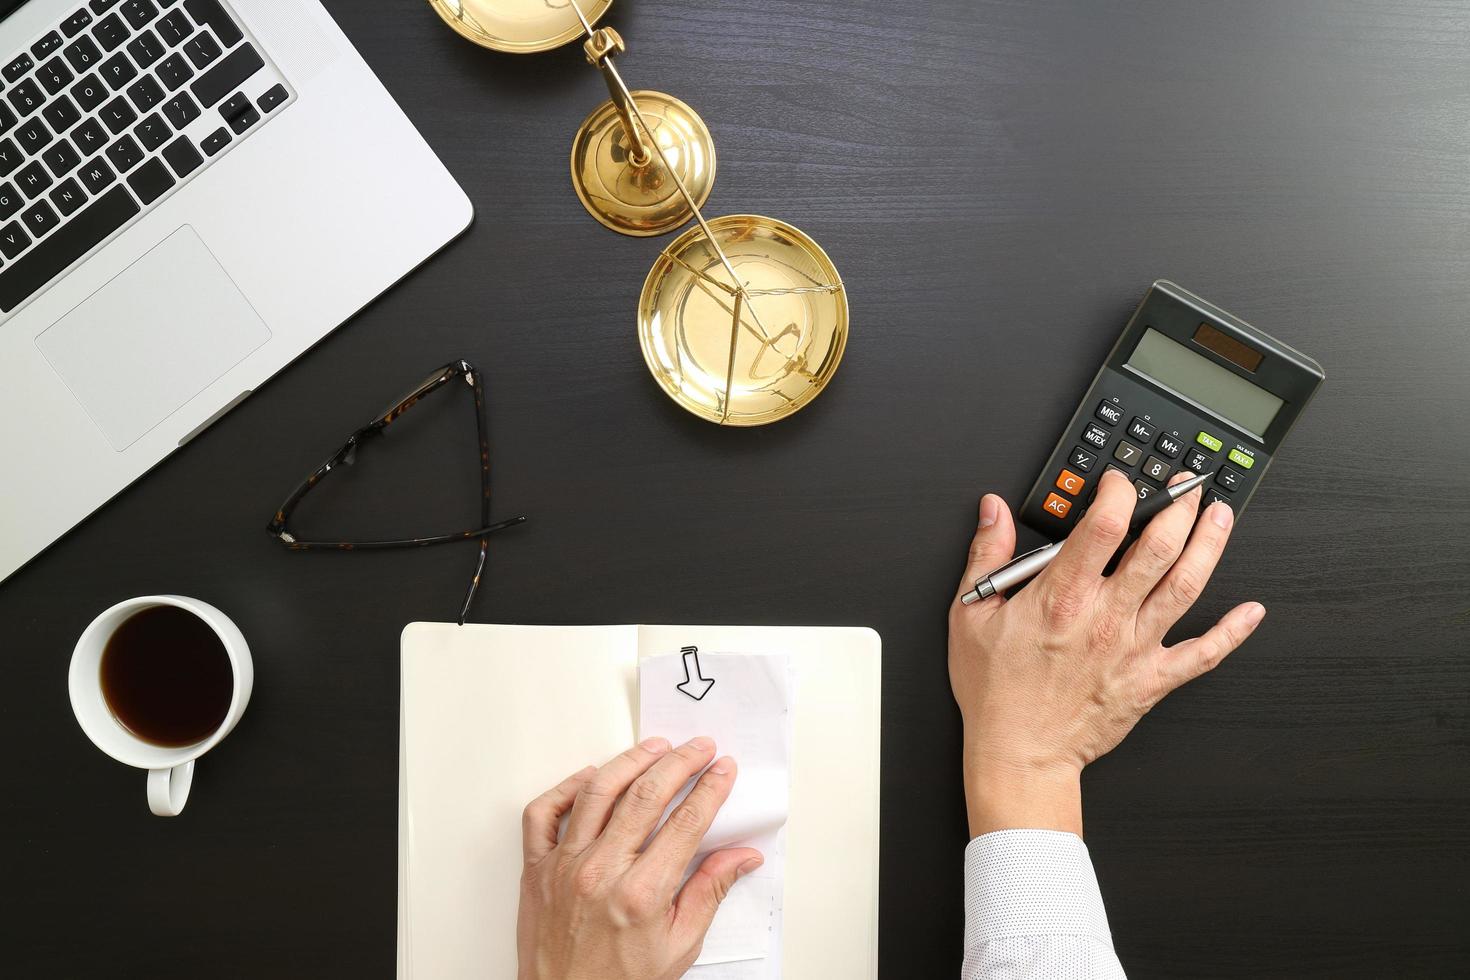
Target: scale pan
x=792, y=329
x=518, y=26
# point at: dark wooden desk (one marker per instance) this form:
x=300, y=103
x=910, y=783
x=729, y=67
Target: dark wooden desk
x=998, y=182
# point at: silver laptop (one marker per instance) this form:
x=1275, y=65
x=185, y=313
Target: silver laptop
x=192, y=192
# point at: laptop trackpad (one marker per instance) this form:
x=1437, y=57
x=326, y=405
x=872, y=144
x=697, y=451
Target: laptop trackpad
x=166, y=328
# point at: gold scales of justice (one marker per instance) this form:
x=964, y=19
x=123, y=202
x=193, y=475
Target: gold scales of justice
x=743, y=318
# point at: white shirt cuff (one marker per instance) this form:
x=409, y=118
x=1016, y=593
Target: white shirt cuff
x=1031, y=883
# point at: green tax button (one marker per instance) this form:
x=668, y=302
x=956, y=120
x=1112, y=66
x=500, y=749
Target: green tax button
x=1209, y=442
x=1241, y=459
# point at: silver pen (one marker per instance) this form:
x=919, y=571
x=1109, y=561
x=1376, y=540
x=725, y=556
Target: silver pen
x=1029, y=565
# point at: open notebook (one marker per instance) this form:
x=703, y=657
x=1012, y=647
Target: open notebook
x=494, y=715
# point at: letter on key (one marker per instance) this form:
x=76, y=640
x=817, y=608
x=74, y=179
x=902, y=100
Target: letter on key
x=1056, y=506
x=1070, y=482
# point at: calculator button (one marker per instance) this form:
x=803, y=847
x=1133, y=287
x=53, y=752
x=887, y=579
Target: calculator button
x=1069, y=482
x=1127, y=453
x=1097, y=483
x=1198, y=461
x=1109, y=413
x=1141, y=430
x=1209, y=442
x=1145, y=490
x=1097, y=436
x=1082, y=459
x=1056, y=505
x=1241, y=459
x=1156, y=469
x=1169, y=446
x=1228, y=478
x=1212, y=496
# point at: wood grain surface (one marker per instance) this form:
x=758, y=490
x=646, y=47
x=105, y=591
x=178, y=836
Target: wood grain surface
x=998, y=181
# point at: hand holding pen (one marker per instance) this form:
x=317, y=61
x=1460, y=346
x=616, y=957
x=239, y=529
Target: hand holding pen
x=1024, y=567
x=1055, y=676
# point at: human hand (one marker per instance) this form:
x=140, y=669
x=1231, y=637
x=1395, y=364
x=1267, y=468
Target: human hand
x=1054, y=678
x=596, y=903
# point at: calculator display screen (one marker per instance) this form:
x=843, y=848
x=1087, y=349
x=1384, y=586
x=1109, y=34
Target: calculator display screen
x=1179, y=369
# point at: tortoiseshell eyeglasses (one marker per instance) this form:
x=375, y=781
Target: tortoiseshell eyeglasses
x=440, y=379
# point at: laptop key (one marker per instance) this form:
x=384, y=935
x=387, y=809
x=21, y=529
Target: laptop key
x=151, y=181
x=227, y=76
x=90, y=136
x=102, y=6
x=272, y=98
x=74, y=24
x=96, y=175
x=145, y=93
x=212, y=15
x=118, y=115
x=13, y=240
x=139, y=12
x=89, y=93
x=85, y=230
x=118, y=71
x=216, y=141
x=82, y=53
x=62, y=158
x=10, y=157
x=203, y=50
x=68, y=196
x=33, y=136
x=110, y=32
x=234, y=105
x=152, y=132
x=174, y=71
x=26, y=97
x=46, y=45
x=175, y=28
x=55, y=75
x=7, y=118
x=10, y=200
x=40, y=218
x=245, y=120
x=62, y=114
x=146, y=48
x=181, y=110
x=18, y=68
x=125, y=154
x=183, y=156
x=33, y=179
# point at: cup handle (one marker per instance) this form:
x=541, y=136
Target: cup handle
x=168, y=789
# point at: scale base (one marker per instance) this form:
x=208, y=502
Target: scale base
x=643, y=200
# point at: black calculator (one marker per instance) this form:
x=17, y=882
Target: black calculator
x=1187, y=387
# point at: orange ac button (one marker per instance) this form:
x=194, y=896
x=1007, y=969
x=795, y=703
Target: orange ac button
x=1056, y=505
x=1070, y=482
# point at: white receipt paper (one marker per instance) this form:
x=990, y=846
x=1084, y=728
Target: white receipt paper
x=747, y=711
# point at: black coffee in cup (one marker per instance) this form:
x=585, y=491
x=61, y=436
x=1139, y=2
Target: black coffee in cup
x=166, y=676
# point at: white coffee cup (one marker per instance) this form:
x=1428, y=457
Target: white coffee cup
x=170, y=770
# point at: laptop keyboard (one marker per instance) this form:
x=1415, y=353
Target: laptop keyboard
x=106, y=115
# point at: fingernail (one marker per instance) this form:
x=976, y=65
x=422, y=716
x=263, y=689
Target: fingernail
x=1115, y=473
x=749, y=866
x=1221, y=514
x=658, y=746
x=1254, y=615
x=989, y=509
x=701, y=743
x=723, y=766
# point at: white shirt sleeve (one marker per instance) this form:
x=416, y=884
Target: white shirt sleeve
x=1033, y=910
